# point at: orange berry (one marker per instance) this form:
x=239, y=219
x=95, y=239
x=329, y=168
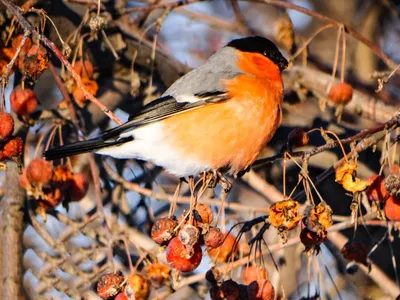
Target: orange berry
x=109, y=285
x=204, y=213
x=39, y=172
x=223, y=252
x=13, y=148
x=163, y=230
x=35, y=62
x=392, y=208
x=377, y=191
x=341, y=93
x=23, y=101
x=182, y=258
x=16, y=41
x=6, y=126
x=83, y=68
x=260, y=290
x=253, y=273
x=23, y=180
x=90, y=86
x=158, y=274
x=137, y=287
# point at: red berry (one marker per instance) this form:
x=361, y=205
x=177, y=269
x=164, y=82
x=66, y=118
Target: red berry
x=39, y=172
x=137, y=287
x=377, y=191
x=189, y=235
x=213, y=238
x=84, y=68
x=341, y=93
x=392, y=208
x=79, y=187
x=182, y=258
x=121, y=296
x=260, y=290
x=23, y=101
x=229, y=290
x=163, y=230
x=223, y=252
x=6, y=126
x=13, y=148
x=253, y=273
x=109, y=285
x=355, y=251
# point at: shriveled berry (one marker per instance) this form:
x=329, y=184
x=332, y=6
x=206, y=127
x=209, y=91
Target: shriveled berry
x=355, y=251
x=182, y=258
x=35, y=62
x=62, y=177
x=158, y=274
x=392, y=183
x=189, y=235
x=51, y=198
x=376, y=191
x=23, y=101
x=84, y=68
x=213, y=276
x=13, y=148
x=137, y=287
x=6, y=126
x=223, y=252
x=229, y=290
x=392, y=208
x=39, y=172
x=253, y=273
x=205, y=213
x=312, y=240
x=298, y=137
x=341, y=93
x=260, y=290
x=213, y=238
x=79, y=187
x=163, y=230
x=109, y=285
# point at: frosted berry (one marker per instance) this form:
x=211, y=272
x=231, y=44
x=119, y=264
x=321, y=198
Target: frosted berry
x=39, y=172
x=13, y=148
x=213, y=238
x=163, y=230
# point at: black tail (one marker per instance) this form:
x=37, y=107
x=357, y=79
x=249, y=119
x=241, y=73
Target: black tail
x=82, y=147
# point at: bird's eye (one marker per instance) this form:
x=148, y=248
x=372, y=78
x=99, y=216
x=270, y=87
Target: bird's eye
x=265, y=53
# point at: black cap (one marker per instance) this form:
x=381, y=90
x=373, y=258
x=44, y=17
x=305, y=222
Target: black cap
x=258, y=44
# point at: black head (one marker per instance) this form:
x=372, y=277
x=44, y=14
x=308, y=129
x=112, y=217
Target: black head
x=258, y=44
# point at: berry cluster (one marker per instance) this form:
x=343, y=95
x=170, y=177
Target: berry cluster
x=256, y=285
x=386, y=190
x=134, y=286
x=50, y=185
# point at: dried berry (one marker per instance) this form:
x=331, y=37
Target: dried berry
x=158, y=274
x=50, y=198
x=229, y=290
x=163, y=230
x=213, y=238
x=182, y=258
x=341, y=93
x=13, y=148
x=79, y=187
x=284, y=216
x=205, y=213
x=312, y=240
x=346, y=176
x=392, y=184
x=376, y=191
x=109, y=285
x=90, y=86
x=355, y=251
x=39, y=172
x=260, y=290
x=23, y=101
x=137, y=287
x=213, y=276
x=392, y=208
x=84, y=68
x=253, y=273
x=189, y=235
x=62, y=177
x=35, y=62
x=6, y=126
x=222, y=253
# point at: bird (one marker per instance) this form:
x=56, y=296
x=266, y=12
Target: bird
x=216, y=118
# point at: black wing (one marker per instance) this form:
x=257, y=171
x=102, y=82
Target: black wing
x=156, y=110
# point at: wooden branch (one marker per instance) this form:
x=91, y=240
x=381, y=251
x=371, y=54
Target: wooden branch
x=12, y=227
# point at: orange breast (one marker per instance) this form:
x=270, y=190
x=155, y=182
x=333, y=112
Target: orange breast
x=229, y=135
